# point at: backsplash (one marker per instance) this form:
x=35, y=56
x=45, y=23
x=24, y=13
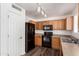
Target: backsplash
x=58, y=32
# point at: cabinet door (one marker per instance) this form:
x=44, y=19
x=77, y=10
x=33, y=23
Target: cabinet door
x=58, y=24
x=53, y=23
x=37, y=26
x=78, y=23
x=40, y=25
x=45, y=22
x=69, y=23
x=56, y=42
x=38, y=41
x=62, y=25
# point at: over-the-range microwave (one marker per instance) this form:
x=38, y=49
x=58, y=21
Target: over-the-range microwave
x=47, y=27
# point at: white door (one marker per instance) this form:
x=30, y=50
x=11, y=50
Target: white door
x=15, y=34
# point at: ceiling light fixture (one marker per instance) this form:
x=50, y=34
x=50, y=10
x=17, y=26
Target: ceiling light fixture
x=45, y=15
x=38, y=9
x=42, y=12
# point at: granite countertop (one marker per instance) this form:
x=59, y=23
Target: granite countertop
x=69, y=49
x=54, y=32
x=54, y=35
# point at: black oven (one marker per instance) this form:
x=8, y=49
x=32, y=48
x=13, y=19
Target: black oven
x=46, y=41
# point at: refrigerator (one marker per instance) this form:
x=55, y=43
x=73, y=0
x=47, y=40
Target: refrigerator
x=29, y=36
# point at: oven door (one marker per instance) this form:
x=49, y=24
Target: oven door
x=48, y=34
x=46, y=41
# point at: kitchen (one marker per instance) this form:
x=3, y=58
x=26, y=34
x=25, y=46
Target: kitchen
x=50, y=29
x=62, y=39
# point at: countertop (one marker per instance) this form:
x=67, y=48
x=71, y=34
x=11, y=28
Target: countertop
x=57, y=32
x=70, y=49
x=54, y=35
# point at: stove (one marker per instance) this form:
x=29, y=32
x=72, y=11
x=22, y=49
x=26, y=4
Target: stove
x=70, y=40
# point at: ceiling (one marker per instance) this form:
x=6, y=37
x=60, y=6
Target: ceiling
x=50, y=9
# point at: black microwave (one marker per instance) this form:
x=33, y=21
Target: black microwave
x=47, y=27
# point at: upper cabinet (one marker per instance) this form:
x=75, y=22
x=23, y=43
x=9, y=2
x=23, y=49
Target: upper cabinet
x=69, y=23
x=58, y=24
x=39, y=25
x=45, y=22
x=63, y=24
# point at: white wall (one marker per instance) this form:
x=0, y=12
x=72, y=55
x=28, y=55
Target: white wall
x=5, y=7
x=75, y=27
x=75, y=31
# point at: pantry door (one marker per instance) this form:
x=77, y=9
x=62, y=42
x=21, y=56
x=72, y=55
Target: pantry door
x=15, y=34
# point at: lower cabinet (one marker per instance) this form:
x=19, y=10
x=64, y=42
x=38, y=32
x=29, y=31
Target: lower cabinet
x=56, y=42
x=38, y=40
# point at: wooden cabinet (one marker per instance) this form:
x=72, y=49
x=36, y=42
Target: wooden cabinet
x=45, y=22
x=38, y=40
x=78, y=23
x=58, y=24
x=39, y=26
x=69, y=23
x=78, y=16
x=62, y=25
x=56, y=42
x=36, y=26
x=54, y=23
